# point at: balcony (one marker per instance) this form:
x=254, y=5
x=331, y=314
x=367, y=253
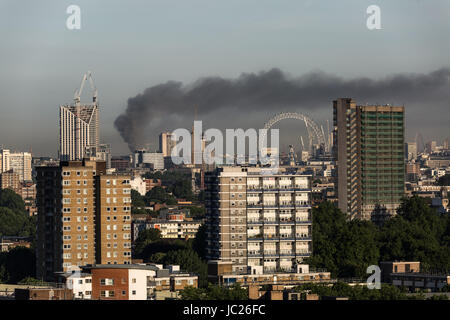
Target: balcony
x=287, y=236
x=256, y=237
x=303, y=221
x=252, y=221
x=255, y=253
x=287, y=221
x=254, y=205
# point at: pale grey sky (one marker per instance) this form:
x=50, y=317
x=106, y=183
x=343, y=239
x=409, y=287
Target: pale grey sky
x=134, y=44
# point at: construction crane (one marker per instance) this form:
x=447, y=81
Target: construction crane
x=77, y=95
x=77, y=99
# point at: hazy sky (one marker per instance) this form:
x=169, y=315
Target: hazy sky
x=132, y=45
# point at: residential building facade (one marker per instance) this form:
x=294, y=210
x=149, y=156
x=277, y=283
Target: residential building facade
x=71, y=211
x=368, y=146
x=258, y=220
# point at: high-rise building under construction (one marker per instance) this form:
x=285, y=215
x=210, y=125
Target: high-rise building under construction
x=78, y=125
x=369, y=152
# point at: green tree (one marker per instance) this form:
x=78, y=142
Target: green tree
x=137, y=200
x=215, y=292
x=144, y=239
x=11, y=200
x=14, y=223
x=159, y=195
x=199, y=242
x=187, y=259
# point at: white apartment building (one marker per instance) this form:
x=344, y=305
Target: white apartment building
x=80, y=283
x=172, y=229
x=19, y=162
x=257, y=219
x=78, y=130
x=142, y=158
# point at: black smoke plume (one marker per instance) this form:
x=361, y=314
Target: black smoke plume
x=268, y=90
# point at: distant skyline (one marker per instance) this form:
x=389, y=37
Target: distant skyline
x=133, y=45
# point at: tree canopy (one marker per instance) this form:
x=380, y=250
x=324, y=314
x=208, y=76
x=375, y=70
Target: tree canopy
x=14, y=220
x=347, y=248
x=214, y=292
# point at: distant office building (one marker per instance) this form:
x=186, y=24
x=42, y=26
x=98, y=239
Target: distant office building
x=120, y=163
x=369, y=152
x=258, y=220
x=166, y=145
x=143, y=158
x=19, y=162
x=101, y=152
x=84, y=217
x=446, y=144
x=412, y=172
x=410, y=151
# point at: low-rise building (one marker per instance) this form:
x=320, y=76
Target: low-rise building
x=43, y=294
x=221, y=273
x=8, y=243
x=410, y=276
x=137, y=281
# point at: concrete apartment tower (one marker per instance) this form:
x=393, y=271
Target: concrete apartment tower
x=368, y=146
x=258, y=220
x=78, y=125
x=83, y=217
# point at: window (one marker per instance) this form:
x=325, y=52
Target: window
x=133, y=280
x=106, y=282
x=133, y=292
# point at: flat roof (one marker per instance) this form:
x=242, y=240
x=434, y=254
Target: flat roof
x=121, y=266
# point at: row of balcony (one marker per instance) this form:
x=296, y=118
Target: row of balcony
x=256, y=188
x=279, y=205
x=280, y=236
x=279, y=221
x=260, y=253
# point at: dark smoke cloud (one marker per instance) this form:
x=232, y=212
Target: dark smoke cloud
x=270, y=90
